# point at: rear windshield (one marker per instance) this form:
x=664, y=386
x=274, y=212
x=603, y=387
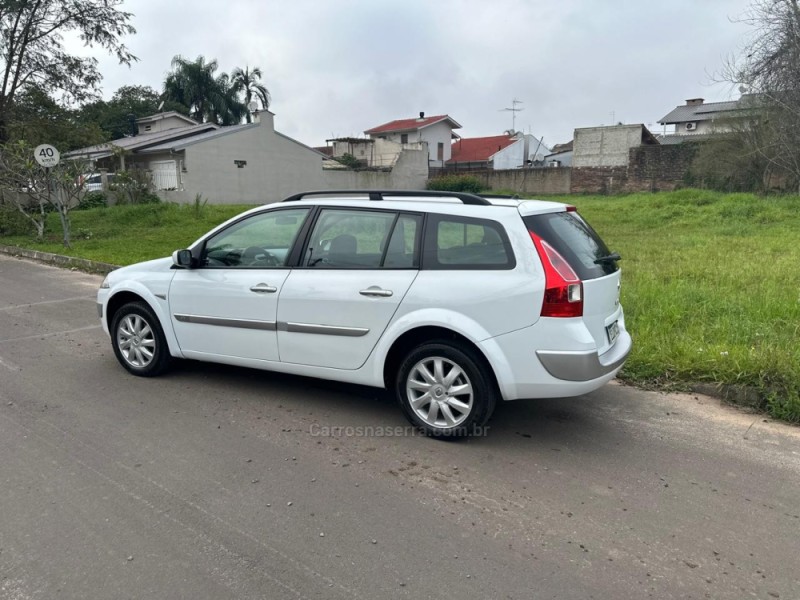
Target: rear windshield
x=575, y=240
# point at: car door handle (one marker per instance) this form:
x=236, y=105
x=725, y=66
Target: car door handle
x=263, y=288
x=376, y=291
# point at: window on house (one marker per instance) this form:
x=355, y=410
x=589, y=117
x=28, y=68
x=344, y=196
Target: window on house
x=440, y=151
x=403, y=138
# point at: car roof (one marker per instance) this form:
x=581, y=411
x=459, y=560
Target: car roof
x=426, y=204
x=426, y=201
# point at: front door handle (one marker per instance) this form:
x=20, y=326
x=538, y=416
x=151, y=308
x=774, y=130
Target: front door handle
x=376, y=291
x=263, y=288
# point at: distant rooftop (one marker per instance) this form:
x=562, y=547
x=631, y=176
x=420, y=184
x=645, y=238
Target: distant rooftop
x=479, y=149
x=402, y=125
x=696, y=109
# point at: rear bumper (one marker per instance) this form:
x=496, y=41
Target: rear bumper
x=554, y=358
x=585, y=366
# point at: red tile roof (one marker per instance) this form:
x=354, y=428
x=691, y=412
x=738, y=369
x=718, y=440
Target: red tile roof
x=478, y=149
x=410, y=124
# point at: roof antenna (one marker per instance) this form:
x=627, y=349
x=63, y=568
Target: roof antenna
x=513, y=110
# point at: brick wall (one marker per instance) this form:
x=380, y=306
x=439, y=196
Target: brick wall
x=650, y=168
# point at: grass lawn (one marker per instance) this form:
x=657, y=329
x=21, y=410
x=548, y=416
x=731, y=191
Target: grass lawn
x=711, y=282
x=710, y=287
x=123, y=235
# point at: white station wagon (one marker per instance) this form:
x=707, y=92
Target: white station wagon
x=451, y=300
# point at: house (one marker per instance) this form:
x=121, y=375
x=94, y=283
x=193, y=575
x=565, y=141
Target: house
x=608, y=146
x=560, y=156
x=240, y=164
x=493, y=152
x=436, y=132
x=156, y=129
x=371, y=152
x=698, y=118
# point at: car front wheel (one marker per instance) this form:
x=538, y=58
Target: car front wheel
x=138, y=340
x=445, y=390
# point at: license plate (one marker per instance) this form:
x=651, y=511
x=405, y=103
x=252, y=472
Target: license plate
x=613, y=331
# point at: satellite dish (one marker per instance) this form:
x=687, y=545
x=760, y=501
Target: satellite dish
x=253, y=106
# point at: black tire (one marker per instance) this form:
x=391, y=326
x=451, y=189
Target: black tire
x=146, y=353
x=449, y=418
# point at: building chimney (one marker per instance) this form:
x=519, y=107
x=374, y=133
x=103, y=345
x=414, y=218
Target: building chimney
x=694, y=101
x=132, y=125
x=421, y=115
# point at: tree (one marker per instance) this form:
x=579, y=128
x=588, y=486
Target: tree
x=247, y=81
x=208, y=97
x=113, y=117
x=768, y=68
x=36, y=118
x=34, y=190
x=32, y=50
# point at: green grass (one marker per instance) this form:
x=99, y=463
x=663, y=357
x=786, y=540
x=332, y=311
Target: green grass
x=123, y=235
x=711, y=282
x=710, y=287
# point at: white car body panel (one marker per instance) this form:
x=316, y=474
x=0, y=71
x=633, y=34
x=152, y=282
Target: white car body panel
x=349, y=324
x=322, y=326
x=215, y=311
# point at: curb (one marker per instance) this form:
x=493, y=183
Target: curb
x=59, y=260
x=746, y=397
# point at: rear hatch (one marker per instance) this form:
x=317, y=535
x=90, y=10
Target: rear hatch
x=574, y=239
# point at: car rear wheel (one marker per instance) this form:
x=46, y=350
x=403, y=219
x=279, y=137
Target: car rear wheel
x=445, y=390
x=138, y=340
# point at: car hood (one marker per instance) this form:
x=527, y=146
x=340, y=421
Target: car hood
x=159, y=265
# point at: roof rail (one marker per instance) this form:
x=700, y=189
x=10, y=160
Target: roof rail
x=501, y=196
x=379, y=195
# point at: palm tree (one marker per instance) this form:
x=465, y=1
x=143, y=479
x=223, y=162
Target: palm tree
x=207, y=96
x=247, y=81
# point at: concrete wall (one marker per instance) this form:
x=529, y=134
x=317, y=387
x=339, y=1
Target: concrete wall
x=276, y=167
x=605, y=146
x=510, y=157
x=147, y=125
x=374, y=152
x=522, y=181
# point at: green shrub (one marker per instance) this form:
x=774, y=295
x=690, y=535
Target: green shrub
x=92, y=200
x=456, y=183
x=13, y=222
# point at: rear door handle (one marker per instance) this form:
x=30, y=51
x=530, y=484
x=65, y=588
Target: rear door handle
x=376, y=291
x=263, y=288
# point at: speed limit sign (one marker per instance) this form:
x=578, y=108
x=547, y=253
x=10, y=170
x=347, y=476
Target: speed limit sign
x=46, y=155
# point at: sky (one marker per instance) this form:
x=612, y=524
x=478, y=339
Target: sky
x=337, y=68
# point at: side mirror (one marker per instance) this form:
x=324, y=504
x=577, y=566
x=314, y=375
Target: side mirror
x=182, y=259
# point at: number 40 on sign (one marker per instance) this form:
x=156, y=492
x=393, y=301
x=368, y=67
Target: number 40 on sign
x=46, y=155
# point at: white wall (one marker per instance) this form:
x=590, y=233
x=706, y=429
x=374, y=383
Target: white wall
x=510, y=157
x=438, y=133
x=277, y=167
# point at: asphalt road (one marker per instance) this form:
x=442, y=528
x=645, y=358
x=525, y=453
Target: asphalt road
x=216, y=482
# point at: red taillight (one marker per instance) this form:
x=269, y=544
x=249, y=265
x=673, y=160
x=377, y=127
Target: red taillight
x=563, y=294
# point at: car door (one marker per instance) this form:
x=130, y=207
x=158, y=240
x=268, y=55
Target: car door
x=356, y=269
x=227, y=306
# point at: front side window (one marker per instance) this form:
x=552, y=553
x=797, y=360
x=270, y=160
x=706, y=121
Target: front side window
x=260, y=241
x=365, y=239
x=466, y=243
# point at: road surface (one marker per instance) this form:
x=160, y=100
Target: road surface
x=216, y=482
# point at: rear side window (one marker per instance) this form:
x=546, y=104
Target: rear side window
x=466, y=243
x=575, y=240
